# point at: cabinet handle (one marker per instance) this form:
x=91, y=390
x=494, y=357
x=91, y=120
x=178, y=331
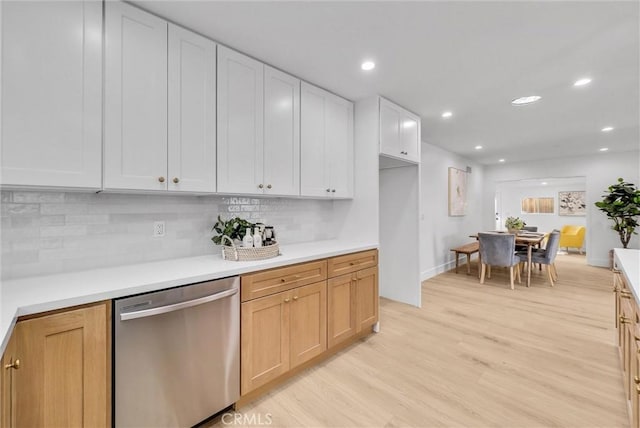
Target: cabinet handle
x=333, y=190
x=176, y=180
x=14, y=365
x=286, y=300
x=403, y=153
x=636, y=379
x=638, y=389
x=260, y=186
x=295, y=298
x=328, y=190
x=615, y=271
x=161, y=179
x=624, y=320
x=625, y=294
x=268, y=186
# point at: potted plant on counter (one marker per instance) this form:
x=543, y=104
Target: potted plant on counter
x=622, y=205
x=514, y=224
x=234, y=228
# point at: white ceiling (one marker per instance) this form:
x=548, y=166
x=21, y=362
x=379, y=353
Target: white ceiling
x=469, y=57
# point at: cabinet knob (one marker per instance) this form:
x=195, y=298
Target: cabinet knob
x=14, y=365
x=176, y=180
x=260, y=186
x=333, y=190
x=295, y=298
x=624, y=320
x=328, y=190
x=161, y=179
x=403, y=153
x=286, y=300
x=636, y=379
x=268, y=186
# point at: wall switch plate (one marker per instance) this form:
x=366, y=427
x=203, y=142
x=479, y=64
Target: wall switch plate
x=158, y=229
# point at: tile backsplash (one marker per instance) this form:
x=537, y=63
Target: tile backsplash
x=52, y=232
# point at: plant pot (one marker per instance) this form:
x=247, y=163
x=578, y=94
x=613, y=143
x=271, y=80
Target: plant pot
x=513, y=231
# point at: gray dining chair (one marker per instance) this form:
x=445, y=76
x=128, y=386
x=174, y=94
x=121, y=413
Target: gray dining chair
x=530, y=228
x=499, y=249
x=547, y=256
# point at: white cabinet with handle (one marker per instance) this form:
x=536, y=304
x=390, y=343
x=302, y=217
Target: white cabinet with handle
x=399, y=132
x=258, y=127
x=159, y=104
x=192, y=112
x=51, y=94
x=326, y=145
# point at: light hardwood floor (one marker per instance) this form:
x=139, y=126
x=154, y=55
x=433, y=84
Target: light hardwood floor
x=473, y=356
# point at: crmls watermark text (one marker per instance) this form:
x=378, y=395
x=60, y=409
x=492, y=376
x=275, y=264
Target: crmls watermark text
x=247, y=419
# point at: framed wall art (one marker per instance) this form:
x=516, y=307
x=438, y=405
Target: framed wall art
x=457, y=192
x=572, y=203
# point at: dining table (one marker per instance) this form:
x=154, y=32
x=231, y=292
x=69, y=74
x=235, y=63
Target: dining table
x=530, y=239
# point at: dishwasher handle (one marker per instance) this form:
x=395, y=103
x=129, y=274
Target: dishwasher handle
x=177, y=306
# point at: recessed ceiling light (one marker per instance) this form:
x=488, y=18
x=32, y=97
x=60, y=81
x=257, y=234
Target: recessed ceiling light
x=500, y=160
x=368, y=65
x=582, y=82
x=604, y=149
x=478, y=147
x=526, y=100
x=544, y=183
x=607, y=129
x=447, y=114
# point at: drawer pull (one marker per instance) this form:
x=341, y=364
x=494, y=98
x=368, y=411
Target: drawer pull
x=286, y=300
x=295, y=298
x=625, y=294
x=636, y=379
x=624, y=320
x=295, y=278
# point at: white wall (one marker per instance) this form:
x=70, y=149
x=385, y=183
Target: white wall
x=439, y=232
x=52, y=232
x=512, y=206
x=600, y=171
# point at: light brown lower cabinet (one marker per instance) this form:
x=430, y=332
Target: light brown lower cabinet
x=352, y=304
x=56, y=370
x=286, y=323
x=628, y=324
x=280, y=332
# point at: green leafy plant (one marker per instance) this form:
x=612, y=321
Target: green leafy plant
x=234, y=228
x=622, y=205
x=514, y=223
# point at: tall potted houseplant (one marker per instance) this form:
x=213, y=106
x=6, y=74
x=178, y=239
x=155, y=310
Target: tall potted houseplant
x=622, y=205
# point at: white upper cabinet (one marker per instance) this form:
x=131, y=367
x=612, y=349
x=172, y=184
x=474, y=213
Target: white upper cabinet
x=192, y=112
x=240, y=123
x=281, y=133
x=326, y=146
x=51, y=94
x=399, y=132
x=135, y=128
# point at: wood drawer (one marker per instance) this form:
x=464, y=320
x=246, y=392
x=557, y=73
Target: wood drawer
x=352, y=262
x=273, y=281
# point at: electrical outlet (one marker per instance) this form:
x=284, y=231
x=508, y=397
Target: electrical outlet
x=158, y=229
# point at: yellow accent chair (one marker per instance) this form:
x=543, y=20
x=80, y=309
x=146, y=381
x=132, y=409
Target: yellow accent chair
x=572, y=237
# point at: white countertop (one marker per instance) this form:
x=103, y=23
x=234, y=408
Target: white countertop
x=31, y=295
x=628, y=261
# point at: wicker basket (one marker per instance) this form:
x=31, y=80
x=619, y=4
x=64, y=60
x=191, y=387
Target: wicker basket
x=245, y=254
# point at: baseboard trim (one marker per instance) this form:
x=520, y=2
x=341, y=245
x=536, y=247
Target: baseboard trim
x=430, y=273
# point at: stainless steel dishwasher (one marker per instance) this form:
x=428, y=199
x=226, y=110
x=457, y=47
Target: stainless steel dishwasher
x=177, y=354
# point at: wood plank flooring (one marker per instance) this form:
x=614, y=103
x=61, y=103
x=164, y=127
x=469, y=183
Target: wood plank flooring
x=473, y=356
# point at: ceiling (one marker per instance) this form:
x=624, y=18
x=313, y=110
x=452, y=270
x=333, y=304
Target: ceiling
x=472, y=58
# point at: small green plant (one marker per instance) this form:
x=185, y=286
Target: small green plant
x=514, y=223
x=234, y=228
x=622, y=205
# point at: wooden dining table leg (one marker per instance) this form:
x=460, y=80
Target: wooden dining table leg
x=529, y=247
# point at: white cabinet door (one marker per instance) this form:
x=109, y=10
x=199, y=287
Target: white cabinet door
x=240, y=123
x=389, y=129
x=314, y=178
x=281, y=133
x=51, y=94
x=339, y=128
x=192, y=112
x=135, y=128
x=399, y=132
x=410, y=136
x=326, y=144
